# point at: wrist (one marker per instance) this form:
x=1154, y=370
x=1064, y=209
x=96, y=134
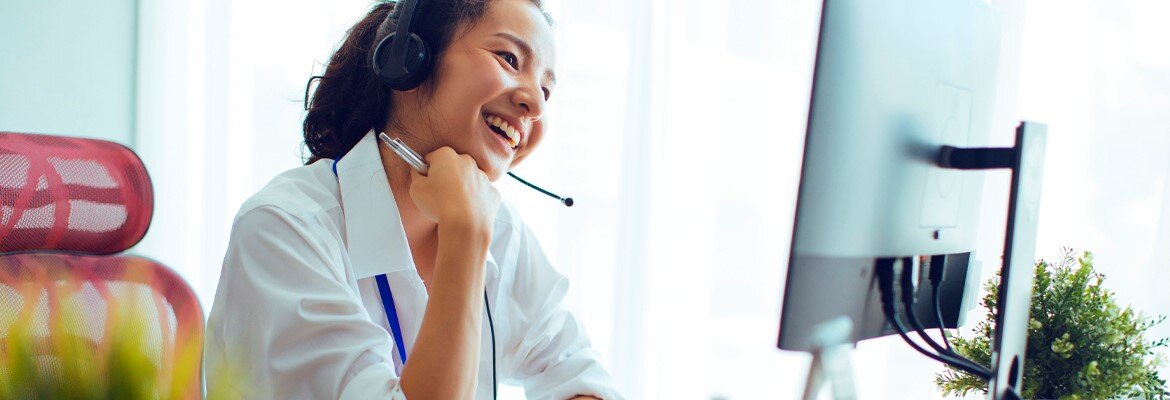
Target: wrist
x=463, y=229
x=462, y=251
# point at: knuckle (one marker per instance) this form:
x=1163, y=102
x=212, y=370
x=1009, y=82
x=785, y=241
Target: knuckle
x=441, y=153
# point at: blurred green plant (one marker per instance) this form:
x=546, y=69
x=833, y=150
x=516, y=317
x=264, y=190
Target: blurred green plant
x=65, y=365
x=1081, y=343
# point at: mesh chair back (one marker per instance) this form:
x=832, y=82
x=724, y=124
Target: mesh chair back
x=66, y=206
x=71, y=194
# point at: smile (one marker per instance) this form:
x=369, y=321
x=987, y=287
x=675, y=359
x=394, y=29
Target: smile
x=504, y=129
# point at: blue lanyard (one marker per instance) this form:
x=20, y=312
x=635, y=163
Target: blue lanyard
x=391, y=315
x=388, y=305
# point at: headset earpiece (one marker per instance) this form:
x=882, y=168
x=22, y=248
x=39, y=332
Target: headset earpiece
x=406, y=70
x=402, y=60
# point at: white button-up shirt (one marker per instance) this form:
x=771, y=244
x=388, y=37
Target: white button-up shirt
x=298, y=312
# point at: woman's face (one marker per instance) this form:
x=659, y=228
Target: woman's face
x=492, y=84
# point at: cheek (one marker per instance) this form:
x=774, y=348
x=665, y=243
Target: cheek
x=462, y=90
x=537, y=135
x=473, y=78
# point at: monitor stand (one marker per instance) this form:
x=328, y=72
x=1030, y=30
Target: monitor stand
x=830, y=351
x=1026, y=160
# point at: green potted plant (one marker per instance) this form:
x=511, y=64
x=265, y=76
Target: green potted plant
x=1081, y=343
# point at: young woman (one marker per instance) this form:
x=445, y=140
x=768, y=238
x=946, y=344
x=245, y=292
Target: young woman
x=357, y=277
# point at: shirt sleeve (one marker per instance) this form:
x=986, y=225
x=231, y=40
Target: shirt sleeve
x=288, y=322
x=554, y=358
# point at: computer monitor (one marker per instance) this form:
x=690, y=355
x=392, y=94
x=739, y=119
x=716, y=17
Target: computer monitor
x=895, y=82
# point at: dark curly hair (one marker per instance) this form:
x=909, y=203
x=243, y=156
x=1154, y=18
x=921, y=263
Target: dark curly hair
x=349, y=100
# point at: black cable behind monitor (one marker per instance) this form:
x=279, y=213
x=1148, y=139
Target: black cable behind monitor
x=885, y=274
x=908, y=292
x=937, y=273
x=942, y=331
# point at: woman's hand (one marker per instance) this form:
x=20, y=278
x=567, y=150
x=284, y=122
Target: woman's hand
x=455, y=191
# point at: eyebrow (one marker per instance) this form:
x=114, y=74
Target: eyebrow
x=528, y=52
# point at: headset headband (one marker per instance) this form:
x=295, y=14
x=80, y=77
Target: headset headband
x=401, y=37
x=401, y=59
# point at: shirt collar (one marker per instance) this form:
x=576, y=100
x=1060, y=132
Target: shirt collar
x=374, y=235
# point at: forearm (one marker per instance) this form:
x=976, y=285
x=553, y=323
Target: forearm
x=444, y=361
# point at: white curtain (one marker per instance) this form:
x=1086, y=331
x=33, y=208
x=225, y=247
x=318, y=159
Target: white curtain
x=1098, y=73
x=678, y=127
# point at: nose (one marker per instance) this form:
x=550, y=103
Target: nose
x=530, y=99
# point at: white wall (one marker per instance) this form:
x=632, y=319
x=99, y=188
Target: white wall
x=68, y=67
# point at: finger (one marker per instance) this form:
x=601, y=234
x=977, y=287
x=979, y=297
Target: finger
x=414, y=174
x=439, y=153
x=483, y=176
x=468, y=161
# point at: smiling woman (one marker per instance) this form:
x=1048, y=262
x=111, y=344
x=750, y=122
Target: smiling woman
x=339, y=271
x=349, y=100
x=496, y=72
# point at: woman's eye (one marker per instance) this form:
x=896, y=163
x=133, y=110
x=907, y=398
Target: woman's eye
x=547, y=93
x=510, y=59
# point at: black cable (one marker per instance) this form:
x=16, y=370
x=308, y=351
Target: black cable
x=492, y=327
x=885, y=275
x=938, y=269
x=938, y=317
x=887, y=288
x=907, y=279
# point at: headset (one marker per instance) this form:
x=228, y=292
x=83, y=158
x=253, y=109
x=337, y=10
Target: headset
x=402, y=60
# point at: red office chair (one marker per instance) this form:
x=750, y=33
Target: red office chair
x=67, y=207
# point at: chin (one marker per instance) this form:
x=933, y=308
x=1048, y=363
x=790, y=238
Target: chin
x=493, y=170
x=494, y=174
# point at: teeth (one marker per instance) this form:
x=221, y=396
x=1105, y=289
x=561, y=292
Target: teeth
x=513, y=134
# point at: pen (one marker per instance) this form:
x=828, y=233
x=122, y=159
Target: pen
x=402, y=150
